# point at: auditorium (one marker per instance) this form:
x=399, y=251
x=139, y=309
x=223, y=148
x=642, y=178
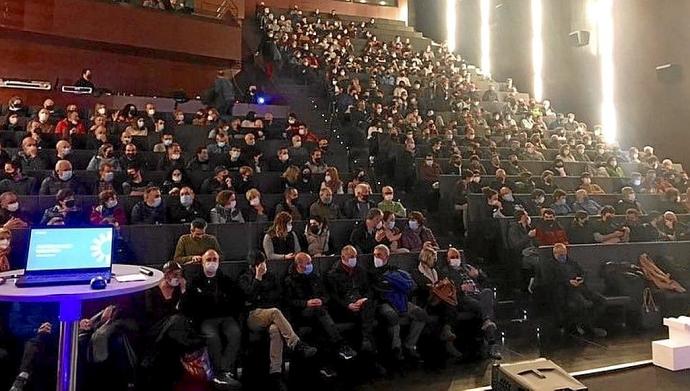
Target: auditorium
x=282, y=195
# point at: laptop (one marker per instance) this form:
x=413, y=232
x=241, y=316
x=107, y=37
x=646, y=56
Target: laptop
x=67, y=256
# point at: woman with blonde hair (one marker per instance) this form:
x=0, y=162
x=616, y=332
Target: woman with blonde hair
x=280, y=241
x=257, y=211
x=332, y=180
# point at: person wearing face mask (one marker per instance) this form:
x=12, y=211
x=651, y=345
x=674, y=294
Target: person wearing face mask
x=106, y=154
x=11, y=216
x=151, y=209
x=15, y=181
x=607, y=231
x=13, y=123
x=61, y=178
x=190, y=247
x=560, y=203
x=332, y=180
x=70, y=127
x=106, y=178
x=290, y=205
x=185, y=208
x=221, y=146
x=29, y=156
x=613, y=169
x=580, y=230
x=244, y=180
x=319, y=239
x=46, y=121
x=308, y=303
x=536, y=202
x=162, y=324
x=405, y=174
x=226, y=209
x=131, y=156
x=221, y=180
x=65, y=211
x=585, y=204
x=281, y=161
x=671, y=201
x=474, y=296
x=262, y=291
x=561, y=282
x=175, y=180
x=549, y=231
x=172, y=159
x=438, y=297
x=416, y=234
x=358, y=206
x=316, y=163
x=297, y=151
x=280, y=241
x=135, y=185
x=352, y=296
x=108, y=210
x=15, y=105
x=214, y=302
x=256, y=211
x=324, y=207
x=388, y=204
x=368, y=233
x=429, y=173
x=587, y=185
x=394, y=290
x=547, y=182
x=166, y=140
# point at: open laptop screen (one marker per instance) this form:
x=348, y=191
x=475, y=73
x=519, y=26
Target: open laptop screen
x=69, y=248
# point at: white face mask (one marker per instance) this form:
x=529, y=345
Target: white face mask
x=210, y=268
x=378, y=262
x=13, y=207
x=289, y=227
x=352, y=262
x=256, y=201
x=101, y=111
x=174, y=282
x=232, y=204
x=234, y=154
x=388, y=197
x=140, y=124
x=111, y=204
x=175, y=156
x=43, y=117
x=327, y=178
x=454, y=262
x=151, y=111
x=4, y=244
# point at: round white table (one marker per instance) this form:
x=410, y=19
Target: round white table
x=70, y=298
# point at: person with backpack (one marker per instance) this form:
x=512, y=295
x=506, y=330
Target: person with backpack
x=394, y=287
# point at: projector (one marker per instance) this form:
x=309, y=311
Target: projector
x=536, y=375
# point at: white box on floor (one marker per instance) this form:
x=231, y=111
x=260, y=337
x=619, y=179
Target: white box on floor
x=670, y=354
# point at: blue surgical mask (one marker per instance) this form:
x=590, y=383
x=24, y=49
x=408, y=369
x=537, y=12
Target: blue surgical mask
x=308, y=269
x=186, y=200
x=508, y=197
x=352, y=262
x=413, y=225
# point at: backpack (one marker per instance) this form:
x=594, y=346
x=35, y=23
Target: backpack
x=400, y=284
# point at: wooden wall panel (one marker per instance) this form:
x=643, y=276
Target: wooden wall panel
x=341, y=7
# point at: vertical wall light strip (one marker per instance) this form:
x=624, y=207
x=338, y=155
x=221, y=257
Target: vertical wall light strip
x=606, y=45
x=537, y=50
x=485, y=12
x=451, y=24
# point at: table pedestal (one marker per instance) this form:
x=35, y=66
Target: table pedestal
x=70, y=312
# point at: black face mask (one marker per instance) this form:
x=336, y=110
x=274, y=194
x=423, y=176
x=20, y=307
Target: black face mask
x=314, y=229
x=70, y=203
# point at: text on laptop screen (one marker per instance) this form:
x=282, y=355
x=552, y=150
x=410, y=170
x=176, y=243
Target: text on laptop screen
x=70, y=248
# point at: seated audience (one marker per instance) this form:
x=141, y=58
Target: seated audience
x=324, y=207
x=549, y=231
x=214, y=302
x=62, y=178
x=358, y=206
x=65, y=211
x=290, y=205
x=416, y=235
x=15, y=180
x=150, y=210
x=628, y=201
x=580, y=231
x=108, y=211
x=185, y=208
x=262, y=293
x=280, y=241
x=319, y=239
x=560, y=205
x=226, y=210
x=607, y=231
x=256, y=211
x=585, y=204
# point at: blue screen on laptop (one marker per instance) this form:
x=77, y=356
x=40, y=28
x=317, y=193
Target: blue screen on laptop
x=70, y=248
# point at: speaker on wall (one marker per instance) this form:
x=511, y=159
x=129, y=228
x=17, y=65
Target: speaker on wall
x=579, y=38
x=669, y=73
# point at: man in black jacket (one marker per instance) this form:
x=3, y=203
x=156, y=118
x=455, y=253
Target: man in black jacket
x=358, y=206
x=351, y=295
x=406, y=167
x=562, y=280
x=263, y=296
x=369, y=233
x=390, y=313
x=215, y=302
x=306, y=297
